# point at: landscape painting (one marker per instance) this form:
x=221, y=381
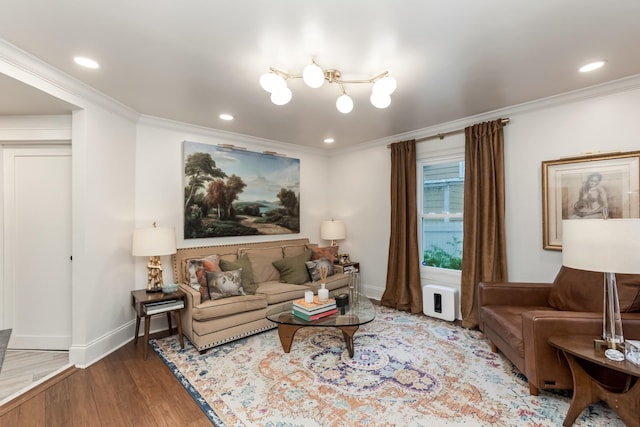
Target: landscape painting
x=235, y=192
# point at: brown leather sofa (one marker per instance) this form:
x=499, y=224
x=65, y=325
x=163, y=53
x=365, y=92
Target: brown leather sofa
x=519, y=318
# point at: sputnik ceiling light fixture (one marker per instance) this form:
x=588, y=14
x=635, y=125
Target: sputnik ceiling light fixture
x=275, y=82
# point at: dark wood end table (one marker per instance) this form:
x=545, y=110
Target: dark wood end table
x=587, y=364
x=140, y=298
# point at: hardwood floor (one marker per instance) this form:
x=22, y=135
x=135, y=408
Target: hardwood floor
x=120, y=390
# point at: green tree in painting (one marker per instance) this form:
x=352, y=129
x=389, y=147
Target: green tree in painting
x=289, y=201
x=220, y=195
x=199, y=168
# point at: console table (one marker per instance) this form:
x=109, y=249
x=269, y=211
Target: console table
x=140, y=299
x=597, y=378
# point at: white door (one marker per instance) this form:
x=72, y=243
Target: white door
x=36, y=298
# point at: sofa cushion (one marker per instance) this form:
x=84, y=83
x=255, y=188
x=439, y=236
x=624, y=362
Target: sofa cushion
x=248, y=285
x=262, y=262
x=314, y=268
x=337, y=281
x=330, y=252
x=213, y=309
x=224, y=284
x=580, y=290
x=276, y=292
x=506, y=321
x=293, y=269
x=293, y=250
x=195, y=272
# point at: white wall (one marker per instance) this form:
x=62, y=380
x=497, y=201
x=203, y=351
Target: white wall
x=605, y=123
x=159, y=189
x=602, y=119
x=103, y=153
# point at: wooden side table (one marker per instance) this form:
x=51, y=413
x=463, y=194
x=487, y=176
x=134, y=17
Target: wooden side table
x=141, y=298
x=620, y=390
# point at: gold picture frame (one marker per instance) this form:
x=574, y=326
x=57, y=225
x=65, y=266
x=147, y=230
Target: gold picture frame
x=579, y=187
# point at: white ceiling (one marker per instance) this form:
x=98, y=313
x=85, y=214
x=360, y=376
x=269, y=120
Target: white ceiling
x=191, y=60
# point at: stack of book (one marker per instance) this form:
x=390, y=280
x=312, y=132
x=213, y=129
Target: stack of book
x=162, y=306
x=314, y=310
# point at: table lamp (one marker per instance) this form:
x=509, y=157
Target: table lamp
x=610, y=246
x=154, y=242
x=332, y=230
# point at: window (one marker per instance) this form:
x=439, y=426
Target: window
x=442, y=213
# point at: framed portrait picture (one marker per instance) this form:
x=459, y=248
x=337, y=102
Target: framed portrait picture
x=588, y=187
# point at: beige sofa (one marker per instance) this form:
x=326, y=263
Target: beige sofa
x=209, y=323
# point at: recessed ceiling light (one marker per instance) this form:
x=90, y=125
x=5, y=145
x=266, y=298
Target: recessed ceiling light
x=226, y=116
x=592, y=66
x=329, y=140
x=86, y=62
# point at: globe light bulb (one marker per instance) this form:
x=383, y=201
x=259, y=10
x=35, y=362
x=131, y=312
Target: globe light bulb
x=344, y=104
x=281, y=96
x=272, y=82
x=386, y=86
x=380, y=100
x=313, y=76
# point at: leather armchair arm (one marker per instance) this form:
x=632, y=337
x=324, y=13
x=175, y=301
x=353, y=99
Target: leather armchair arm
x=543, y=362
x=513, y=293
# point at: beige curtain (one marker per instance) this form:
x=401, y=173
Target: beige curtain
x=484, y=247
x=402, y=290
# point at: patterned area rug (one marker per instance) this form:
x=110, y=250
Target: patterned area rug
x=408, y=370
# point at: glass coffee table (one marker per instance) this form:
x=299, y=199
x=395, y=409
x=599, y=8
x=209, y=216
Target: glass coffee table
x=348, y=319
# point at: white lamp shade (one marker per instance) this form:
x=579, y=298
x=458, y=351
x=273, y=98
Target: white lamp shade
x=154, y=242
x=604, y=245
x=332, y=230
x=344, y=104
x=313, y=76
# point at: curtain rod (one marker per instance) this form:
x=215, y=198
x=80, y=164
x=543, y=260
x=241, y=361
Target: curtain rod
x=505, y=121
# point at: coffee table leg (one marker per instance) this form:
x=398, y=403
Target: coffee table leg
x=583, y=394
x=286, y=333
x=347, y=333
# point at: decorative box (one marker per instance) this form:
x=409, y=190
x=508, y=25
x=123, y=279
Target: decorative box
x=632, y=351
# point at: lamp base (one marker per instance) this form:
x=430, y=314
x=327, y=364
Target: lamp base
x=154, y=290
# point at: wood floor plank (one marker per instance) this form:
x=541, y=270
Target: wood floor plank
x=57, y=404
x=122, y=389
x=32, y=412
x=82, y=400
x=101, y=384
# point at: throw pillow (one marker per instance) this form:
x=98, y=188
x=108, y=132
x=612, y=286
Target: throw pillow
x=329, y=252
x=195, y=271
x=293, y=269
x=314, y=268
x=261, y=262
x=243, y=263
x=223, y=284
